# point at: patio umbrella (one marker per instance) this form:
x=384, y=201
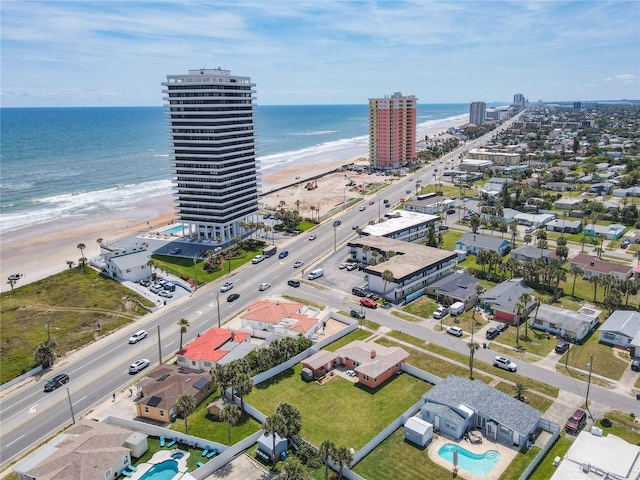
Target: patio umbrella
x=455, y=458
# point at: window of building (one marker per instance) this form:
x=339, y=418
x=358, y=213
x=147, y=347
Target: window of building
x=450, y=425
x=146, y=409
x=162, y=413
x=609, y=336
x=366, y=377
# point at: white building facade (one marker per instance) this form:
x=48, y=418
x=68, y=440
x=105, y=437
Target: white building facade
x=210, y=116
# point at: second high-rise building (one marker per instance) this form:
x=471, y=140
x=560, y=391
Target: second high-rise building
x=211, y=129
x=478, y=113
x=392, y=131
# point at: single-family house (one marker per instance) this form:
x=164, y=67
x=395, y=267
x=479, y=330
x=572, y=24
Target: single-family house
x=87, y=450
x=627, y=192
x=374, y=364
x=474, y=242
x=593, y=266
x=570, y=325
x=160, y=390
x=456, y=405
x=559, y=186
x=527, y=253
x=318, y=364
x=611, y=232
x=569, y=203
x=457, y=287
x=502, y=300
x=431, y=206
x=536, y=220
x=216, y=345
x=128, y=265
x=622, y=329
x=604, y=188
x=564, y=226
x=267, y=317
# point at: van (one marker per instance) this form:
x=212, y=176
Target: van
x=457, y=308
x=317, y=273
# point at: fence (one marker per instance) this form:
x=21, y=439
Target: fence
x=552, y=428
x=31, y=373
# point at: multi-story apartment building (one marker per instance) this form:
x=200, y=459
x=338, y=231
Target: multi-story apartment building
x=478, y=113
x=392, y=131
x=211, y=130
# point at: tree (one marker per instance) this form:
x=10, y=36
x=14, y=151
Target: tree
x=387, y=276
x=230, y=414
x=70, y=263
x=274, y=425
x=473, y=346
x=327, y=452
x=525, y=298
x=81, y=247
x=46, y=353
x=293, y=470
x=292, y=419
x=520, y=389
x=223, y=376
x=520, y=308
x=242, y=385
x=183, y=323
x=574, y=270
x=186, y=404
x=596, y=280
x=99, y=242
x=342, y=456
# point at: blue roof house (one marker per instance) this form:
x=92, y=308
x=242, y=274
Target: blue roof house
x=473, y=243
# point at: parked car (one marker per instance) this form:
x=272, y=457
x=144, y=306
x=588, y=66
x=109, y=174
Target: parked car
x=257, y=259
x=451, y=211
x=492, y=333
x=352, y=266
x=562, y=347
x=359, y=292
x=226, y=286
x=166, y=294
x=342, y=266
x=504, y=363
x=312, y=237
x=502, y=327
x=175, y=251
x=283, y=254
x=264, y=286
x=355, y=227
x=232, y=297
x=56, y=382
x=635, y=365
x=139, y=335
x=367, y=302
x=293, y=283
x=625, y=243
x=297, y=264
x=441, y=312
x=358, y=314
x=576, y=422
x=169, y=286
x=266, y=215
x=138, y=365
x=457, y=331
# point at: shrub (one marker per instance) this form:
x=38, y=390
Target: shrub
x=605, y=422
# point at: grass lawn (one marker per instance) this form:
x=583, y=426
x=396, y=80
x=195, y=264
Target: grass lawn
x=605, y=363
x=421, y=307
x=356, y=413
x=535, y=341
x=341, y=342
x=536, y=401
x=519, y=463
x=396, y=459
x=154, y=447
x=203, y=425
x=545, y=468
x=622, y=417
x=619, y=431
x=73, y=302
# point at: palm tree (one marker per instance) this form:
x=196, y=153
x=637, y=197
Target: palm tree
x=387, y=276
x=520, y=389
x=574, y=270
x=81, y=247
x=183, y=323
x=70, y=264
x=230, y=414
x=342, y=456
x=99, y=242
x=525, y=298
x=293, y=470
x=473, y=346
x=186, y=404
x=520, y=308
x=242, y=384
x=327, y=451
x=292, y=419
x=596, y=280
x=274, y=425
x=46, y=353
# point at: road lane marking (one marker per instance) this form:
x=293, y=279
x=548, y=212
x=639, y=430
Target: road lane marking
x=11, y=443
x=34, y=409
x=78, y=401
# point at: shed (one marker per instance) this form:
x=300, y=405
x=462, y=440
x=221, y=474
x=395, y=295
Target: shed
x=217, y=405
x=418, y=431
x=307, y=374
x=137, y=443
x=265, y=445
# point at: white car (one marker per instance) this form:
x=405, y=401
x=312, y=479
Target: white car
x=257, y=259
x=139, y=335
x=457, y=331
x=362, y=208
x=264, y=286
x=441, y=312
x=166, y=294
x=312, y=237
x=504, y=363
x=138, y=365
x=226, y=286
x=297, y=264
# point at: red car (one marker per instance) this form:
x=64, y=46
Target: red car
x=371, y=202
x=367, y=302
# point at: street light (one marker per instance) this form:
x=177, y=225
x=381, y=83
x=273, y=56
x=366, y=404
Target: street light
x=586, y=400
x=73, y=417
x=334, y=239
x=195, y=271
x=218, y=303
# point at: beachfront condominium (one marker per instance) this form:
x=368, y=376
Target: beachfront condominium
x=210, y=116
x=478, y=113
x=392, y=131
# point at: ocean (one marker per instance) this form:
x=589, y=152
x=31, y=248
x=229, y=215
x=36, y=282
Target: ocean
x=61, y=162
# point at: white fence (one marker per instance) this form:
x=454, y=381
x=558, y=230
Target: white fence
x=552, y=428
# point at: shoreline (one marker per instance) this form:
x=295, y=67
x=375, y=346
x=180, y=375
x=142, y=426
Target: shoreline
x=41, y=250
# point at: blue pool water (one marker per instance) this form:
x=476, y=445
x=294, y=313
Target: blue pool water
x=173, y=230
x=162, y=471
x=177, y=455
x=479, y=465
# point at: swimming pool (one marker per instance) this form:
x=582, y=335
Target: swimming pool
x=479, y=465
x=173, y=230
x=162, y=471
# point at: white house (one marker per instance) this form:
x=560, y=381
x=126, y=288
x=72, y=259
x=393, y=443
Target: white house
x=573, y=326
x=131, y=265
x=622, y=329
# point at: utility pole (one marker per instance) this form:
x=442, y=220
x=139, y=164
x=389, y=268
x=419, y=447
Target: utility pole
x=586, y=399
x=218, y=304
x=73, y=417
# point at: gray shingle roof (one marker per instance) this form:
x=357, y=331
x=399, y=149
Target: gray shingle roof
x=563, y=318
x=621, y=321
x=505, y=296
x=531, y=252
x=486, y=400
x=457, y=285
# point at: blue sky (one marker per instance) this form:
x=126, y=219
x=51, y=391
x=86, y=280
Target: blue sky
x=116, y=53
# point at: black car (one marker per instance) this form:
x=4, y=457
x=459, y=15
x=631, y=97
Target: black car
x=635, y=365
x=492, y=333
x=359, y=292
x=562, y=347
x=232, y=297
x=502, y=327
x=336, y=223
x=293, y=283
x=56, y=382
x=357, y=314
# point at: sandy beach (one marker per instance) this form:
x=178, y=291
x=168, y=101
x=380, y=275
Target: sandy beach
x=42, y=250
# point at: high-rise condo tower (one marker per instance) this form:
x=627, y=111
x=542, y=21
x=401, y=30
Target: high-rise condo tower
x=478, y=113
x=210, y=116
x=392, y=131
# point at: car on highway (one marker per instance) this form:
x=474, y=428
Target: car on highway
x=56, y=382
x=297, y=264
x=139, y=335
x=138, y=365
x=358, y=314
x=362, y=208
x=367, y=302
x=504, y=363
x=456, y=331
x=293, y=283
x=337, y=223
x=264, y=286
x=371, y=202
x=257, y=259
x=232, y=297
x=14, y=277
x=312, y=237
x=283, y=254
x=226, y=286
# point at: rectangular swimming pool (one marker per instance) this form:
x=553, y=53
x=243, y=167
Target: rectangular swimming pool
x=173, y=230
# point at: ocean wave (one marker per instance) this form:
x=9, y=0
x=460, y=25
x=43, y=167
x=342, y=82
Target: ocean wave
x=15, y=186
x=312, y=133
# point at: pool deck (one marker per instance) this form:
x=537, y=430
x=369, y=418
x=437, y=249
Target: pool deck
x=507, y=455
x=160, y=457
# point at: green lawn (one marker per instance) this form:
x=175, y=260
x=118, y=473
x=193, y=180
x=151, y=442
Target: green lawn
x=532, y=341
x=154, y=447
x=339, y=411
x=396, y=459
x=605, y=363
x=536, y=401
x=74, y=302
x=421, y=307
x=620, y=431
x=545, y=469
x=519, y=464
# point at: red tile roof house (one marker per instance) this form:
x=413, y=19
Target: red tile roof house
x=216, y=345
x=593, y=266
x=374, y=364
x=267, y=317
